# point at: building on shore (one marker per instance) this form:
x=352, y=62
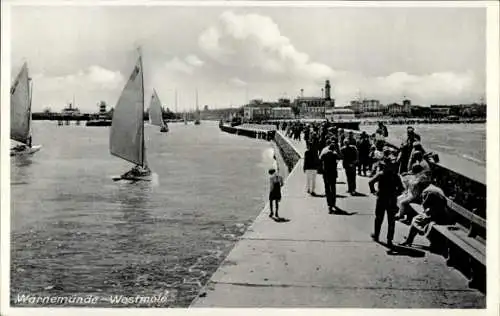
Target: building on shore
x=266, y=112
x=309, y=107
x=335, y=114
x=396, y=109
x=367, y=108
x=281, y=113
x=256, y=113
x=70, y=111
x=461, y=110
x=313, y=106
x=441, y=110
x=259, y=110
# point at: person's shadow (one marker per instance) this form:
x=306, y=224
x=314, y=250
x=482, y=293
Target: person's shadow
x=339, y=211
x=339, y=196
x=358, y=194
x=280, y=219
x=399, y=250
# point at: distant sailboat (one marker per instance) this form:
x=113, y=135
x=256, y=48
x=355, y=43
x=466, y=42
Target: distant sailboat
x=127, y=127
x=156, y=113
x=20, y=114
x=197, y=113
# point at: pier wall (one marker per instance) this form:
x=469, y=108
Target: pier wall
x=249, y=132
x=287, y=151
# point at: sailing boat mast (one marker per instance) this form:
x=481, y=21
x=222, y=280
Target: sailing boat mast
x=30, y=98
x=197, y=111
x=196, y=99
x=144, y=162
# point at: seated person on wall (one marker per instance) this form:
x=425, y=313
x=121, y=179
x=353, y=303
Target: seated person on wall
x=417, y=147
x=415, y=183
x=417, y=157
x=434, y=204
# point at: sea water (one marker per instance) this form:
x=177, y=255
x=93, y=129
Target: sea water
x=74, y=231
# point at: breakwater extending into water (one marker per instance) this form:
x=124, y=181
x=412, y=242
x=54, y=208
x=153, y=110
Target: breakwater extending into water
x=296, y=262
x=288, y=153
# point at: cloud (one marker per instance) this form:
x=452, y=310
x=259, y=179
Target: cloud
x=88, y=86
x=193, y=60
x=252, y=46
x=439, y=87
x=106, y=78
x=178, y=65
x=186, y=66
x=95, y=77
x=237, y=82
x=256, y=42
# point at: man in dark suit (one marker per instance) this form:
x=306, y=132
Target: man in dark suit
x=329, y=157
x=349, y=161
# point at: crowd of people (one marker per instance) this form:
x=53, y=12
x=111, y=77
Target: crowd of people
x=399, y=176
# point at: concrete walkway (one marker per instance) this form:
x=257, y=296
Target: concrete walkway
x=321, y=260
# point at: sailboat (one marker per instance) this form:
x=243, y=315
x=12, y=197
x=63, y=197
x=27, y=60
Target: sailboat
x=156, y=113
x=197, y=113
x=127, y=127
x=20, y=114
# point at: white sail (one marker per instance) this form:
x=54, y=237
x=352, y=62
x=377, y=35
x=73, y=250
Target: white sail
x=127, y=127
x=20, y=107
x=155, y=112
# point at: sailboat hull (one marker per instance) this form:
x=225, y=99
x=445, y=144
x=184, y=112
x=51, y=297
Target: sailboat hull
x=133, y=178
x=135, y=175
x=26, y=151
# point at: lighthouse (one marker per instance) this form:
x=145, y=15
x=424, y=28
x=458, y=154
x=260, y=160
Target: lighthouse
x=327, y=90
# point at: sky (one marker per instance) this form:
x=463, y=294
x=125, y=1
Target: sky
x=235, y=54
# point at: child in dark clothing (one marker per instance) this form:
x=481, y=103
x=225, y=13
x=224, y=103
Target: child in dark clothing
x=276, y=182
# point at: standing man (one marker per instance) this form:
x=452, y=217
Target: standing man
x=382, y=129
x=352, y=140
x=389, y=187
x=349, y=161
x=363, y=146
x=406, y=149
x=328, y=158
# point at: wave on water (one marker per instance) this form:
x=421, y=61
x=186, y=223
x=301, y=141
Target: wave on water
x=472, y=159
x=155, y=179
x=268, y=159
